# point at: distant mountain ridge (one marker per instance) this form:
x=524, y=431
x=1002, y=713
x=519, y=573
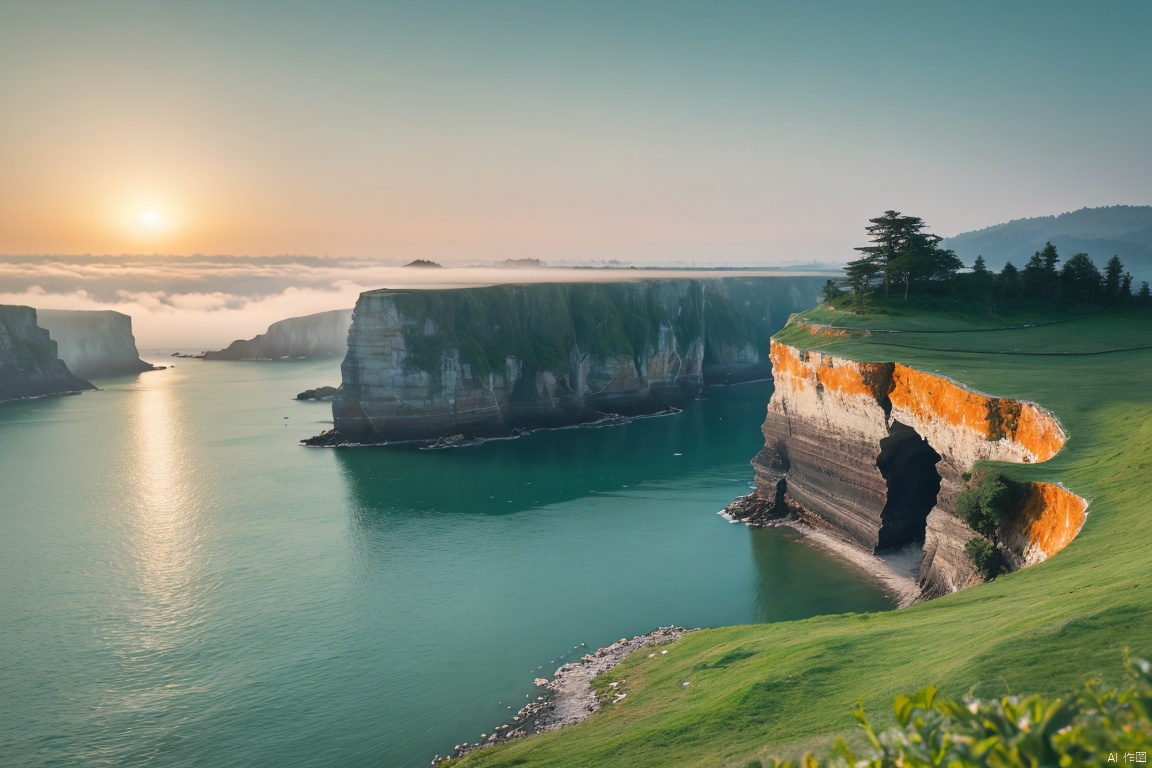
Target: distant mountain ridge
x=1115, y=230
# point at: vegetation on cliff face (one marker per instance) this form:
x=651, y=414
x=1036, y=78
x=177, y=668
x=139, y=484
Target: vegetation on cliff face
x=542, y=324
x=779, y=690
x=986, y=506
x=537, y=325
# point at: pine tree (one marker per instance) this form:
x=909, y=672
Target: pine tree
x=1113, y=277
x=1032, y=277
x=1050, y=258
x=1081, y=279
x=890, y=233
x=982, y=280
x=1008, y=280
x=831, y=291
x=860, y=274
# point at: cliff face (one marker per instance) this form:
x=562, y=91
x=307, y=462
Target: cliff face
x=29, y=366
x=488, y=361
x=94, y=343
x=324, y=334
x=879, y=450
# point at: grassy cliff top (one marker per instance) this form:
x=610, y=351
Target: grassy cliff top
x=781, y=689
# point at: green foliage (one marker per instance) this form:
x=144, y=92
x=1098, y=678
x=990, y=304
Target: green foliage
x=1078, y=283
x=1097, y=725
x=543, y=325
x=984, y=556
x=725, y=323
x=1082, y=281
x=831, y=291
x=901, y=250
x=1114, y=279
x=986, y=504
x=550, y=327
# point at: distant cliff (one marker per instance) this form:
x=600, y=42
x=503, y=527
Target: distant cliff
x=488, y=361
x=98, y=343
x=324, y=334
x=29, y=366
x=879, y=451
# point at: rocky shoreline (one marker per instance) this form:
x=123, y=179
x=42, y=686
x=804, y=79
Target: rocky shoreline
x=897, y=570
x=569, y=696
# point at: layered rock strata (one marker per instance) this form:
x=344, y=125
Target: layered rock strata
x=324, y=334
x=29, y=366
x=94, y=343
x=880, y=450
x=483, y=362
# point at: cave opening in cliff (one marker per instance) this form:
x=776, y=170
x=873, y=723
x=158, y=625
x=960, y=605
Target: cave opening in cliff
x=908, y=464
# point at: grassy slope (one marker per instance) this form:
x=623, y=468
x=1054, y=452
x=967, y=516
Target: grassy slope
x=781, y=689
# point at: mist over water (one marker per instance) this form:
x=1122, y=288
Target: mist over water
x=185, y=585
x=206, y=302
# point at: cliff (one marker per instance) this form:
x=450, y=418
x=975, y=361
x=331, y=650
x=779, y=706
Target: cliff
x=786, y=688
x=484, y=362
x=324, y=334
x=29, y=366
x=94, y=343
x=879, y=451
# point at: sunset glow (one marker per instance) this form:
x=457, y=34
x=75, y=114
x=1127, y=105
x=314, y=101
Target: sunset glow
x=722, y=133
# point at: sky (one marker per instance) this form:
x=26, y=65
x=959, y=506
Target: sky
x=666, y=132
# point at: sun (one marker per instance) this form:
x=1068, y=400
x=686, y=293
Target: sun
x=151, y=219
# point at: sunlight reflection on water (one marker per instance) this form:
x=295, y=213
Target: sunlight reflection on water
x=164, y=543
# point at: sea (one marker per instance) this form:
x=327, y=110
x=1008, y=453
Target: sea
x=183, y=584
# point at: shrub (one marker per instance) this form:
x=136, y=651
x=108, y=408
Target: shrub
x=984, y=556
x=831, y=291
x=987, y=503
x=1095, y=726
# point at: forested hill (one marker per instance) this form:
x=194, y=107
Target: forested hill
x=1117, y=230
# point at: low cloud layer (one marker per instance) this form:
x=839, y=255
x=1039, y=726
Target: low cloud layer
x=206, y=302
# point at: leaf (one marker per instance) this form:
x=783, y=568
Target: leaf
x=903, y=708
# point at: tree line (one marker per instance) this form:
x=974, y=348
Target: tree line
x=903, y=256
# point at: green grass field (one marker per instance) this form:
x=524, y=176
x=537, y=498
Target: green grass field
x=783, y=689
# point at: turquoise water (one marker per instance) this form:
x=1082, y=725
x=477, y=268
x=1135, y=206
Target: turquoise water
x=184, y=585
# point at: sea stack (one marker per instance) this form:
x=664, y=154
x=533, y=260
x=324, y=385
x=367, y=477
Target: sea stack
x=29, y=365
x=94, y=343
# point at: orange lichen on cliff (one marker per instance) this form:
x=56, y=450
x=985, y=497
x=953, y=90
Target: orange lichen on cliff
x=827, y=331
x=928, y=397
x=786, y=361
x=834, y=375
x=1038, y=431
x=842, y=378
x=931, y=398
x=1051, y=517
x=852, y=378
